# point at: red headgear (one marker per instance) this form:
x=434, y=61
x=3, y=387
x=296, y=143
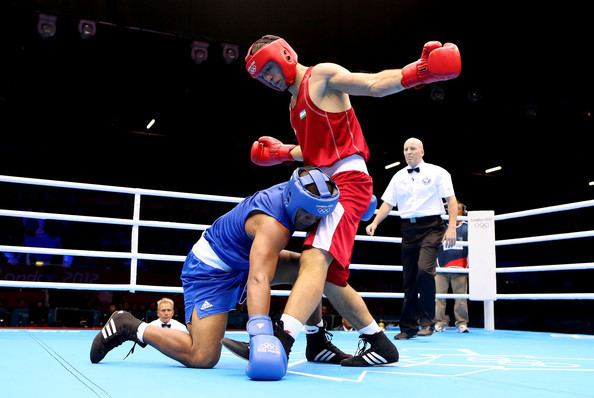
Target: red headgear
x=278, y=51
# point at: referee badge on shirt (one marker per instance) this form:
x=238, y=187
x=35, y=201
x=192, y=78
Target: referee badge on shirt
x=426, y=180
x=302, y=114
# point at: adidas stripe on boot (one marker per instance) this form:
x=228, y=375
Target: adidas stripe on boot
x=320, y=348
x=381, y=351
x=121, y=326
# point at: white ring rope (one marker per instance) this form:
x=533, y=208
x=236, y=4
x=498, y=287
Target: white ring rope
x=173, y=289
x=134, y=255
x=116, y=189
x=102, y=220
x=173, y=258
x=545, y=238
x=547, y=296
x=545, y=210
x=551, y=267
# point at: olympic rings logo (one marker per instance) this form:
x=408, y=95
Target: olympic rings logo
x=324, y=209
x=268, y=347
x=481, y=225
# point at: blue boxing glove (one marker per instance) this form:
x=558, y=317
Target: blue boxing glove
x=268, y=360
x=370, y=210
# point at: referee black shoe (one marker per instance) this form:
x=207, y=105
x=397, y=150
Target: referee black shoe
x=320, y=348
x=121, y=326
x=381, y=351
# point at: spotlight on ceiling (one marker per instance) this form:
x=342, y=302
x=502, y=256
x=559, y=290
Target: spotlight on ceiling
x=391, y=165
x=46, y=26
x=493, y=169
x=87, y=29
x=230, y=53
x=199, y=51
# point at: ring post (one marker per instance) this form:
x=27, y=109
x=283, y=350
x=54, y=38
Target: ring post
x=134, y=244
x=481, y=261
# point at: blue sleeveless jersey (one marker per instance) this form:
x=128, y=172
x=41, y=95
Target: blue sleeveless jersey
x=227, y=236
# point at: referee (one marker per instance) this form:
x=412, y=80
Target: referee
x=417, y=190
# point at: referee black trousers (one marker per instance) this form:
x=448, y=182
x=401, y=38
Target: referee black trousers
x=420, y=242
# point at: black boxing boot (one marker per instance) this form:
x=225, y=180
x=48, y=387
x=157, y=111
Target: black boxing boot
x=381, y=351
x=121, y=326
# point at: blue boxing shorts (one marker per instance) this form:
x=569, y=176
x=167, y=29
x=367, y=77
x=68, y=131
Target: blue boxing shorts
x=210, y=290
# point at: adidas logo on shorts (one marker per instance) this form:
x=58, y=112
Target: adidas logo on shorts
x=206, y=305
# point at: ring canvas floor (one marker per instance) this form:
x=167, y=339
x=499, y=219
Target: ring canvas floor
x=479, y=364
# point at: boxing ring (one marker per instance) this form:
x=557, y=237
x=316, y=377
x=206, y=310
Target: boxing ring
x=487, y=361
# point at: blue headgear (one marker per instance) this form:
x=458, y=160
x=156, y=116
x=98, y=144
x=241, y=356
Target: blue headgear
x=296, y=196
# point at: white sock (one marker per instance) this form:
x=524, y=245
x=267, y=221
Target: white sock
x=313, y=329
x=372, y=328
x=292, y=325
x=140, y=332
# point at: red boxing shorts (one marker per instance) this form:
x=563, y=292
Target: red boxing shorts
x=336, y=232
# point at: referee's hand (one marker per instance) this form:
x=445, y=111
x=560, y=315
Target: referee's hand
x=449, y=238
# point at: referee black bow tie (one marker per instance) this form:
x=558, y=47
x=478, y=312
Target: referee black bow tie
x=413, y=169
x=166, y=326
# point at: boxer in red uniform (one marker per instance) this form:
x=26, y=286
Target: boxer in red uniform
x=330, y=137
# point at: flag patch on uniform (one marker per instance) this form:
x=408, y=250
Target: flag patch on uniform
x=302, y=114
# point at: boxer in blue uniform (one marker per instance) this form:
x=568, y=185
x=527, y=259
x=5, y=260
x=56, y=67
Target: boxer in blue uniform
x=242, y=251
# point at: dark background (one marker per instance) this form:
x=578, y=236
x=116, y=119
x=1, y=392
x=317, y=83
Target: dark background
x=76, y=110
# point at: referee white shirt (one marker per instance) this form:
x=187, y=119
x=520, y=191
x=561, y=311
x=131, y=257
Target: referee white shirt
x=418, y=194
x=175, y=325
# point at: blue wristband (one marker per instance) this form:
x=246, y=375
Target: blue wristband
x=259, y=324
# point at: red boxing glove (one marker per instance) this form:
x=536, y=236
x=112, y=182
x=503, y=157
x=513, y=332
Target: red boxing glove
x=268, y=151
x=437, y=63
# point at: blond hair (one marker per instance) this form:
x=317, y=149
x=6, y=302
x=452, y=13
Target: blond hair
x=165, y=300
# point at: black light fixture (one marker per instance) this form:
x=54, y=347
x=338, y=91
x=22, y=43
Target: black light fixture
x=436, y=93
x=199, y=51
x=46, y=26
x=230, y=53
x=87, y=29
x=474, y=96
